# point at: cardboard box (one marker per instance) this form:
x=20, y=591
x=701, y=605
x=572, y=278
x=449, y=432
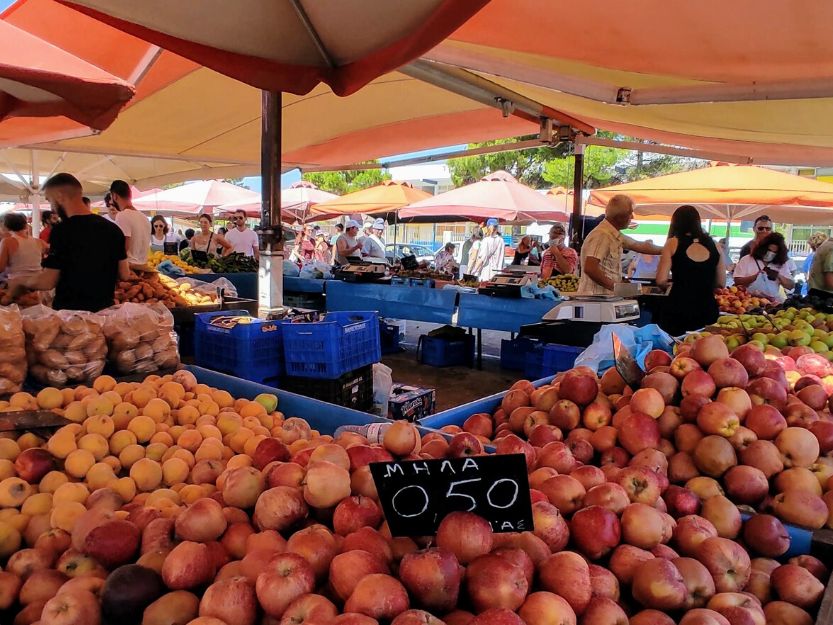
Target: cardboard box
x=411, y=402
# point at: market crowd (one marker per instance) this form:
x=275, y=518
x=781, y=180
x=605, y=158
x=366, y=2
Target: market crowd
x=81, y=255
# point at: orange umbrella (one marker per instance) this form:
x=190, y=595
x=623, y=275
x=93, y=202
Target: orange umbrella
x=730, y=193
x=290, y=45
x=387, y=197
x=38, y=79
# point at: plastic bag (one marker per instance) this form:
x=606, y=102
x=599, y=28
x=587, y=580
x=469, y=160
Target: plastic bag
x=640, y=341
x=316, y=270
x=210, y=288
x=140, y=338
x=382, y=385
x=12, y=350
x=64, y=347
x=169, y=269
x=290, y=269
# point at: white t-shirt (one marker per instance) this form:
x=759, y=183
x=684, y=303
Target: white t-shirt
x=748, y=266
x=244, y=242
x=136, y=226
x=373, y=247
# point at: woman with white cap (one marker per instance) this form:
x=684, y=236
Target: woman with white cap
x=374, y=246
x=347, y=245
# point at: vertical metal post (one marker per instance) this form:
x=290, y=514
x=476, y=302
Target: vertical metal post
x=270, y=272
x=576, y=230
x=34, y=186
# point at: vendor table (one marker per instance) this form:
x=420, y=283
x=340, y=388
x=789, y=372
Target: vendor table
x=499, y=313
x=245, y=282
x=396, y=302
x=302, y=285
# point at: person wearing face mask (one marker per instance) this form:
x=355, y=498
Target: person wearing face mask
x=87, y=253
x=490, y=257
x=601, y=254
x=558, y=258
x=767, y=270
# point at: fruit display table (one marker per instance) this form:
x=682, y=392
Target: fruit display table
x=244, y=282
x=499, y=313
x=322, y=416
x=395, y=302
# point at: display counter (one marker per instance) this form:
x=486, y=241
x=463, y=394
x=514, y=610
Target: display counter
x=395, y=302
x=320, y=415
x=500, y=313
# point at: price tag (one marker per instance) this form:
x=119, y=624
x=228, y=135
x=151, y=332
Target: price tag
x=417, y=494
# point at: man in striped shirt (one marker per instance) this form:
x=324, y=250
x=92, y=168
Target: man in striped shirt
x=601, y=253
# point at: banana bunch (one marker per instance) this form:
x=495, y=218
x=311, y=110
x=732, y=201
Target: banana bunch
x=566, y=283
x=154, y=258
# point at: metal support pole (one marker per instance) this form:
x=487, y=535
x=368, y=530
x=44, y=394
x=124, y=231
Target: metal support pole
x=270, y=272
x=576, y=230
x=34, y=184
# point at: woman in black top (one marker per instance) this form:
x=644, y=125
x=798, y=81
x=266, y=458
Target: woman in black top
x=696, y=265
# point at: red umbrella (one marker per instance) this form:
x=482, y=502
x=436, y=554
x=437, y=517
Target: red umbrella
x=38, y=79
x=290, y=45
x=497, y=195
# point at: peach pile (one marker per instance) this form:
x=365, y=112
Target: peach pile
x=170, y=502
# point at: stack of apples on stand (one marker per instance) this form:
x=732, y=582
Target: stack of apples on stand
x=167, y=501
x=736, y=299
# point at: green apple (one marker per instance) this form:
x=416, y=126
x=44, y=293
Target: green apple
x=818, y=347
x=780, y=340
x=760, y=337
x=756, y=344
x=828, y=340
x=799, y=338
x=268, y=401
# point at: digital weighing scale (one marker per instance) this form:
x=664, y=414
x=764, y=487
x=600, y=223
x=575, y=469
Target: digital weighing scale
x=576, y=320
x=507, y=283
x=361, y=272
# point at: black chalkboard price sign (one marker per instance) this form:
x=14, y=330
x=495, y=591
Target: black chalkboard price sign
x=417, y=494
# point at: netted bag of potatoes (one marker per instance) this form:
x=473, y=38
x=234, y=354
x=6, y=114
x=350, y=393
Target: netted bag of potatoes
x=12, y=350
x=140, y=338
x=64, y=347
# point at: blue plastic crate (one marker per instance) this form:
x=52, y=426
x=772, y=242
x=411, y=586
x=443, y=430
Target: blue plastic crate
x=549, y=358
x=513, y=352
x=437, y=351
x=389, y=338
x=251, y=351
x=397, y=281
x=327, y=349
x=427, y=283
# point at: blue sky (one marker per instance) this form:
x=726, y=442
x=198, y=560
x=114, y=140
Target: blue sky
x=5, y=3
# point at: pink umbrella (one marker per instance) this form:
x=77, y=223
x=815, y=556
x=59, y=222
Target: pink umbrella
x=135, y=194
x=195, y=198
x=498, y=195
x=295, y=202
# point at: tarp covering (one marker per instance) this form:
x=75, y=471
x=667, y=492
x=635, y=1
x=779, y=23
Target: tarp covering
x=730, y=192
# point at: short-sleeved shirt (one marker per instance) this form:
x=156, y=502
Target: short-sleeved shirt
x=136, y=226
x=746, y=250
x=548, y=260
x=605, y=243
x=244, y=242
x=86, y=249
x=822, y=264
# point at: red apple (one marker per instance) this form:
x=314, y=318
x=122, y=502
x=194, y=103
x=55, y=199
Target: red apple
x=567, y=574
x=659, y=585
x=466, y=535
x=378, y=596
x=232, y=600
x=495, y=582
x=727, y=562
x=698, y=382
x=347, y=568
x=752, y=359
x=433, y=578
x=550, y=525
x=33, y=463
x=595, y=531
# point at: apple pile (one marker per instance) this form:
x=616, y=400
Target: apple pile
x=167, y=501
x=736, y=299
x=775, y=334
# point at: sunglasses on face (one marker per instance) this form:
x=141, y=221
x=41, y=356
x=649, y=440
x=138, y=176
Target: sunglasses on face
x=763, y=229
x=158, y=225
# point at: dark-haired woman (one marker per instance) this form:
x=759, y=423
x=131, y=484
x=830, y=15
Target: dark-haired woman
x=692, y=258
x=205, y=243
x=20, y=253
x=159, y=234
x=767, y=270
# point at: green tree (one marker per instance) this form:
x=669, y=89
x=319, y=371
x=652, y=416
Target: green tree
x=527, y=166
x=341, y=182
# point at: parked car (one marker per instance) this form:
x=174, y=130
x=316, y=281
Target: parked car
x=395, y=251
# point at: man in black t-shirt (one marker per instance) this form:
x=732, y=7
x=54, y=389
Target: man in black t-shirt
x=86, y=254
x=762, y=228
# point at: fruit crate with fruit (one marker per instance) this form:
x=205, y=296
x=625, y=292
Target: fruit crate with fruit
x=340, y=342
x=234, y=342
x=354, y=389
